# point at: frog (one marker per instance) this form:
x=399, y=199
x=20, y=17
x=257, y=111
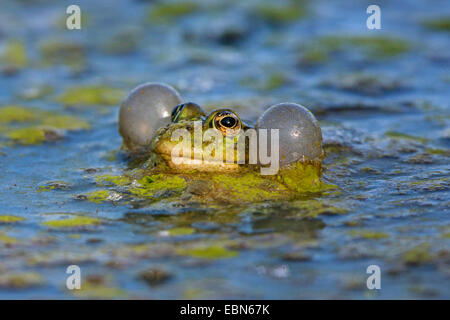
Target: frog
x=154, y=113
x=184, y=118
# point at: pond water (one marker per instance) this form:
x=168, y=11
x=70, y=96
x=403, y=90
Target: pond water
x=381, y=97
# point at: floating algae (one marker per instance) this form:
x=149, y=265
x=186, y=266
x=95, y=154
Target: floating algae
x=14, y=57
x=28, y=126
x=70, y=223
x=8, y=219
x=211, y=252
x=91, y=96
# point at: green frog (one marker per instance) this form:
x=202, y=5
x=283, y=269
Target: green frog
x=209, y=158
x=191, y=122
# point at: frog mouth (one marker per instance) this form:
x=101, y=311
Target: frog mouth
x=194, y=162
x=180, y=162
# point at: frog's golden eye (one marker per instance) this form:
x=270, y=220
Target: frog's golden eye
x=188, y=110
x=226, y=121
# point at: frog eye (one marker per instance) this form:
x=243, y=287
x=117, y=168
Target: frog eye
x=226, y=121
x=188, y=110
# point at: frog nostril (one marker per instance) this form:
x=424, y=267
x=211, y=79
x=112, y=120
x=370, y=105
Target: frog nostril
x=228, y=122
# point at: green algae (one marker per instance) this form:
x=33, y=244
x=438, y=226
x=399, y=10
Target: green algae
x=418, y=255
x=166, y=12
x=368, y=234
x=182, y=231
x=98, y=196
x=430, y=184
x=45, y=188
x=7, y=240
x=91, y=96
x=315, y=208
x=8, y=219
x=373, y=47
x=29, y=126
x=57, y=52
x=145, y=250
x=380, y=46
x=399, y=135
x=28, y=136
x=303, y=177
x=17, y=114
x=278, y=14
x=13, y=113
x=65, y=122
x=247, y=187
x=58, y=257
x=211, y=252
x=107, y=179
x=437, y=24
x=149, y=186
x=441, y=152
x=76, y=222
x=99, y=291
x=53, y=185
x=21, y=280
x=14, y=56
